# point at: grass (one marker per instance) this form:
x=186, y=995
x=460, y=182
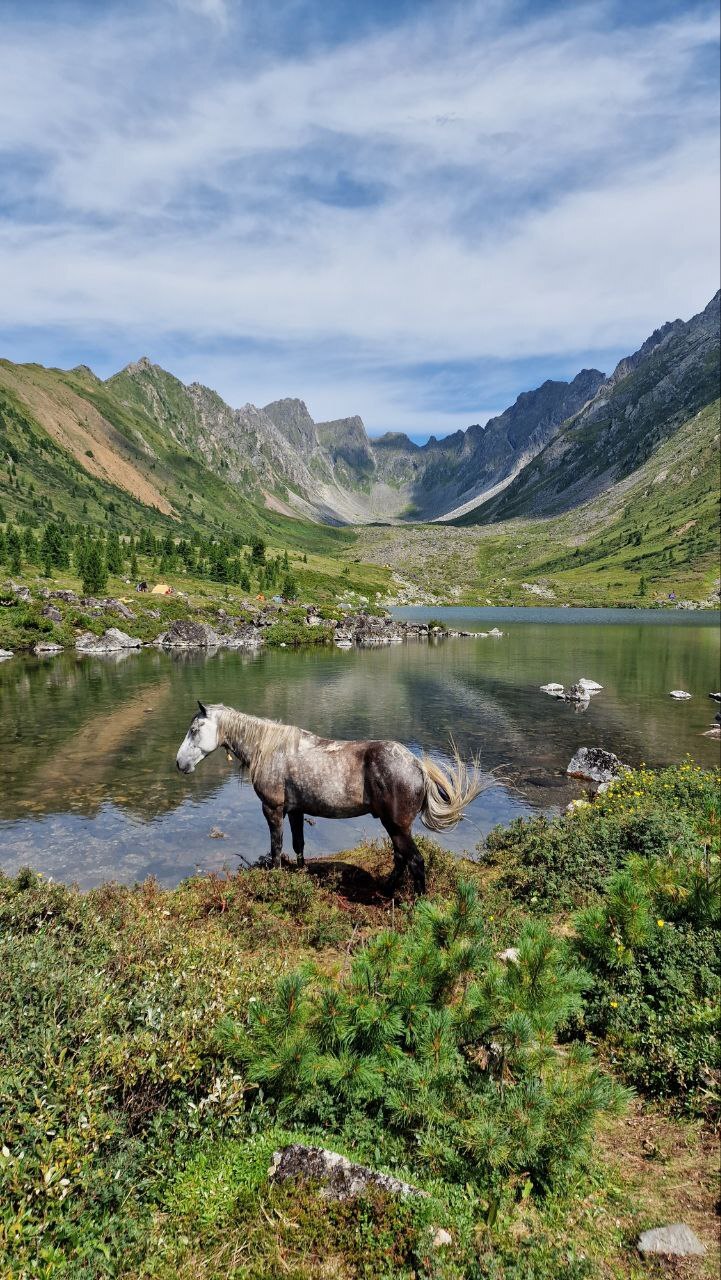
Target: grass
x=652, y=536
x=336, y=588
x=133, y=1145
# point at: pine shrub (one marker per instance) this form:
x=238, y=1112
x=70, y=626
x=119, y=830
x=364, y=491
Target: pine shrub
x=433, y=1049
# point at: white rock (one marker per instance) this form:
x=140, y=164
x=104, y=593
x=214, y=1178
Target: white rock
x=495, y=632
x=679, y=694
x=556, y=690
x=441, y=1238
x=591, y=686
x=5, y=653
x=510, y=955
x=676, y=1240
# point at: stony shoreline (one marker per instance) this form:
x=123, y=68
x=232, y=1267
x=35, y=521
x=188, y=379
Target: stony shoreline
x=250, y=628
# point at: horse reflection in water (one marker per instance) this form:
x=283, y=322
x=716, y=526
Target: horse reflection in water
x=295, y=772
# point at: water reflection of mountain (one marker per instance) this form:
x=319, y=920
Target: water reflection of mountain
x=85, y=732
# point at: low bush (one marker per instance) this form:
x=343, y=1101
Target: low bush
x=653, y=949
x=558, y=863
x=431, y=1049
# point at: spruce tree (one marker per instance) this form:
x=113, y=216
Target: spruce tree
x=94, y=571
x=15, y=550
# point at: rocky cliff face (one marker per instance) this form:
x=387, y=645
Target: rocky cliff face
x=644, y=401
x=554, y=447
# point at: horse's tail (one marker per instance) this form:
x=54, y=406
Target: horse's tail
x=448, y=792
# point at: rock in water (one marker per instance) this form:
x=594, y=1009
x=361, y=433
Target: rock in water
x=591, y=686
x=595, y=765
x=555, y=690
x=577, y=693
x=339, y=1178
x=5, y=653
x=676, y=1240
x=679, y=694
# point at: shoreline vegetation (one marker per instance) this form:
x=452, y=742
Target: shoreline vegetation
x=48, y=614
x=534, y=1045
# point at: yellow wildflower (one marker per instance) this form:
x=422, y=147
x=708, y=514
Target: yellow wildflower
x=660, y=923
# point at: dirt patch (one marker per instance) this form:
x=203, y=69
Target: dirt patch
x=672, y=1168
x=77, y=427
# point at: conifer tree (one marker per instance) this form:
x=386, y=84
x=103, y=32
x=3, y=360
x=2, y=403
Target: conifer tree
x=14, y=550
x=94, y=570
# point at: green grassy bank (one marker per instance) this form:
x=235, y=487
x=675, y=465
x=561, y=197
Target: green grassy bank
x=157, y=1046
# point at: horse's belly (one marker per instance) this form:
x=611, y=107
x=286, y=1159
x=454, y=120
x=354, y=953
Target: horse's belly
x=327, y=784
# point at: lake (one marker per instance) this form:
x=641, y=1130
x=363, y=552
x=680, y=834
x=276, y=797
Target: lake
x=90, y=791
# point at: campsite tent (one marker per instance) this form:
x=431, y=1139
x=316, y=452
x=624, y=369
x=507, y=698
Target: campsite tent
x=161, y=589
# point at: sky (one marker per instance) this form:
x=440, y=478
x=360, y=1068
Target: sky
x=409, y=210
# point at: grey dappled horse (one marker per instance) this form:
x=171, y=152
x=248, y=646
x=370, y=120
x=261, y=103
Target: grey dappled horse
x=295, y=772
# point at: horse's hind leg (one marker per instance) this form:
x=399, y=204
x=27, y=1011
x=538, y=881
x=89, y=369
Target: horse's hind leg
x=273, y=815
x=405, y=854
x=295, y=818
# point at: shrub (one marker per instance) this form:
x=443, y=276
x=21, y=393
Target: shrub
x=652, y=947
x=561, y=862
x=436, y=1048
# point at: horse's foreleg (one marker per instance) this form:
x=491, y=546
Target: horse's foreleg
x=295, y=818
x=274, y=817
x=405, y=854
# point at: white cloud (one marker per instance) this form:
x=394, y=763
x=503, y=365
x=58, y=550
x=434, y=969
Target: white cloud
x=537, y=189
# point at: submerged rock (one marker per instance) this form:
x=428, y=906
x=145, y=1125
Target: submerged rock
x=45, y=647
x=676, y=1240
x=555, y=690
x=339, y=1177
x=595, y=765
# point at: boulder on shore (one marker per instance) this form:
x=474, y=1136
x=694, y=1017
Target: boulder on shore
x=183, y=633
x=339, y=1177
x=113, y=641
x=595, y=765
x=5, y=653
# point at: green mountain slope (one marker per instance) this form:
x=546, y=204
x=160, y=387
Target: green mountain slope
x=648, y=397
x=72, y=445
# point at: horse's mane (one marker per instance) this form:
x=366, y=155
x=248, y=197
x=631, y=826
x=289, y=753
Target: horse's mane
x=254, y=739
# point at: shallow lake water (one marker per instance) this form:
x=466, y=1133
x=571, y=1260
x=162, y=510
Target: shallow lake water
x=90, y=792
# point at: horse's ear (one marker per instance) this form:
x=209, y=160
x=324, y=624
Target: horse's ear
x=203, y=709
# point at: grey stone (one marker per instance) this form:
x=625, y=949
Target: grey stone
x=339, y=1177
x=679, y=694
x=186, y=634
x=22, y=593
x=595, y=765
x=52, y=612
x=47, y=647
x=5, y=653
x=676, y=1240
x=113, y=641
x=122, y=639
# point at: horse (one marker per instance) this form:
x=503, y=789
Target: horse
x=295, y=772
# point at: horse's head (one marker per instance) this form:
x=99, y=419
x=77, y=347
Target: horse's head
x=201, y=738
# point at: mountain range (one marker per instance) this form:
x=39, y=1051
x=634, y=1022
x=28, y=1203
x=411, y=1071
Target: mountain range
x=176, y=448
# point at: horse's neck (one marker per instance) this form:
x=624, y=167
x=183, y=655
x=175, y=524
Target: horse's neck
x=236, y=732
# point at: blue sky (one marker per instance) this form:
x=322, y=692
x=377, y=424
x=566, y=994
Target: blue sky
x=412, y=211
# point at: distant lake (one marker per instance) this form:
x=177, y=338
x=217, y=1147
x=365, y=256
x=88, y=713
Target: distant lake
x=90, y=791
